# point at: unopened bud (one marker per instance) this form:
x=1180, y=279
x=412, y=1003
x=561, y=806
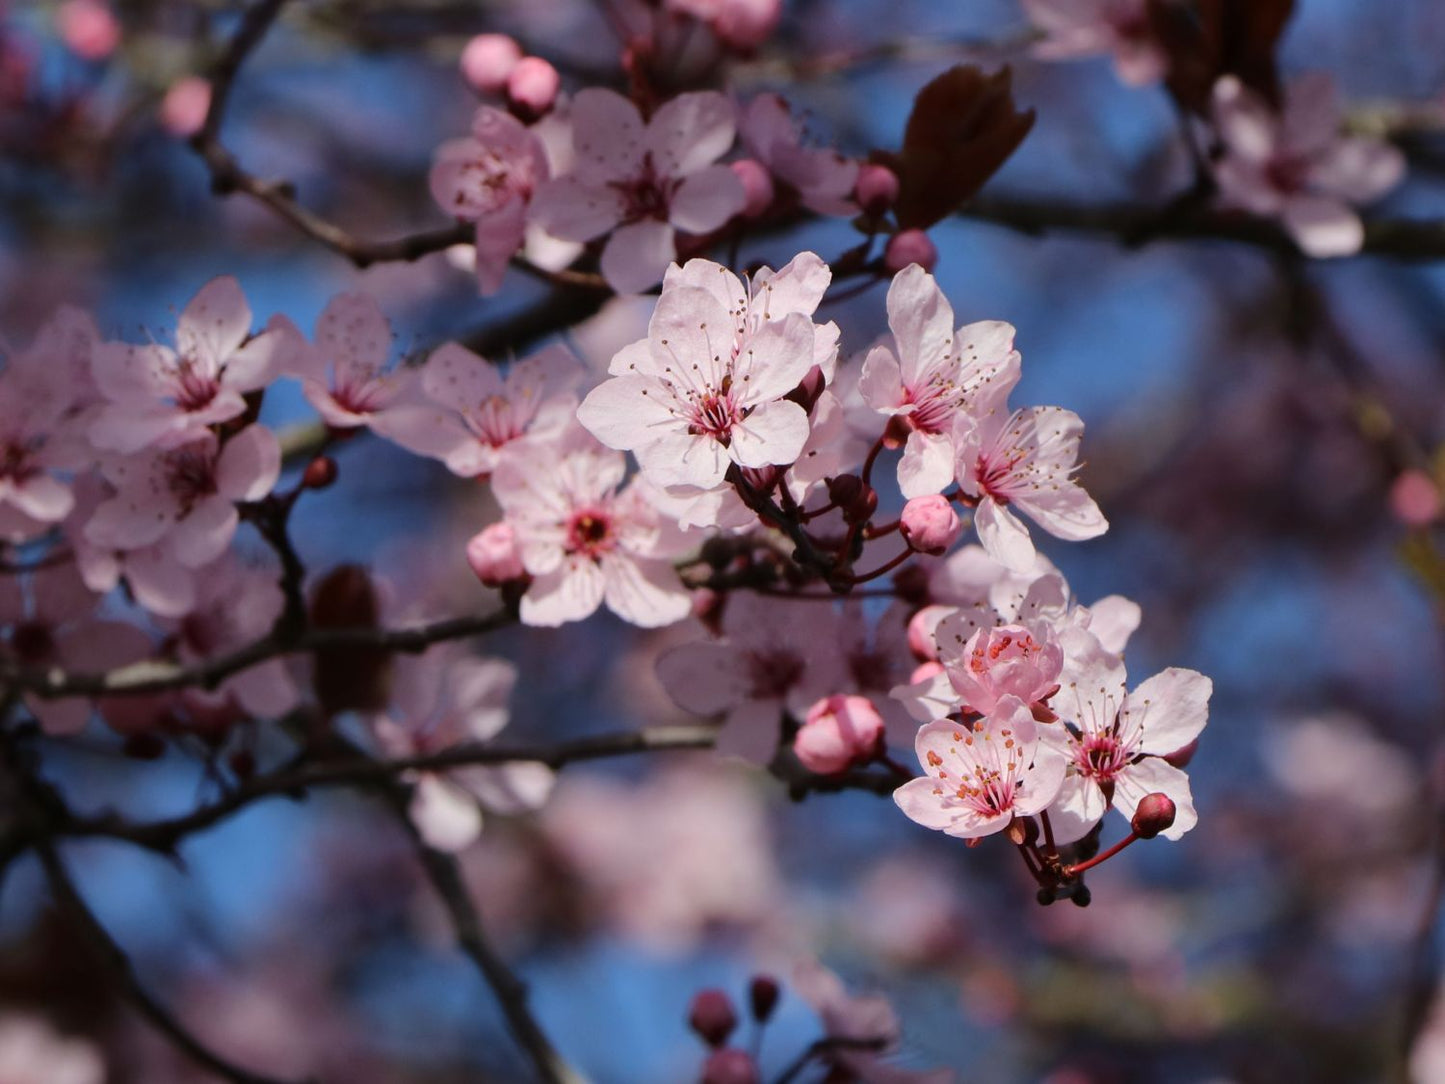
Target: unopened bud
x=839, y=731
x=758, y=189
x=493, y=555
x=488, y=60
x=730, y=1066
x=807, y=392
x=319, y=473
x=909, y=247
x=1154, y=815
x=532, y=86
x=763, y=995
x=1415, y=499
x=929, y=524
x=856, y=500
x=712, y=1016
x=876, y=189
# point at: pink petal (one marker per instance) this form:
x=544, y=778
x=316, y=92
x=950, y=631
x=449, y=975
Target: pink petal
x=626, y=412
x=354, y=334
x=607, y=136
x=1323, y=227
x=1154, y=776
x=205, y=533
x=926, y=466
x=1003, y=536
x=689, y=132
x=637, y=255
x=1171, y=708
x=648, y=594
x=706, y=200
x=921, y=320
x=752, y=731
x=774, y=433
x=570, y=592
x=573, y=210
x=704, y=678
x=249, y=464
x=880, y=384
x=1065, y=511
x=446, y=817
x=214, y=323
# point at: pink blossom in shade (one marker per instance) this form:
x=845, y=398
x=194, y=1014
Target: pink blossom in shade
x=184, y=498
x=910, y=247
x=184, y=107
x=584, y=542
x=88, y=27
x=642, y=181
x=156, y=395
x=1025, y=461
x=1120, y=28
x=775, y=656
x=31, y=1052
x=1415, y=498
x=876, y=189
x=493, y=556
x=1296, y=166
x=475, y=413
x=931, y=377
x=235, y=604
x=440, y=700
x=345, y=374
x=757, y=186
x=929, y=524
x=978, y=776
x=489, y=178
x=838, y=732
x=487, y=60
x=861, y=1018
x=45, y=396
x=698, y=396
x=56, y=626
x=1115, y=741
x=1008, y=660
x=730, y=1066
x=532, y=85
x=822, y=177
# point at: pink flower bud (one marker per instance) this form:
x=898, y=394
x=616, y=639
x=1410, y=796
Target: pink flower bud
x=493, y=555
x=757, y=185
x=921, y=627
x=909, y=246
x=1415, y=499
x=533, y=85
x=745, y=24
x=839, y=731
x=1154, y=815
x=763, y=997
x=88, y=28
x=488, y=60
x=929, y=524
x=319, y=473
x=183, y=109
x=876, y=189
x=712, y=1016
x=731, y=1066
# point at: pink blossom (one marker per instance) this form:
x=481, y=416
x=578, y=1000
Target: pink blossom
x=876, y=190
x=88, y=27
x=184, y=498
x=442, y=699
x=489, y=178
x=168, y=397
x=932, y=377
x=345, y=375
x=57, y=627
x=838, y=732
x=1295, y=166
x=183, y=109
x=821, y=176
x=979, y=776
x=533, y=85
x=1415, y=498
x=706, y=388
x=1008, y=660
x=493, y=555
x=910, y=247
x=929, y=524
x=1116, y=741
x=477, y=412
x=641, y=181
x=44, y=392
x=775, y=656
x=585, y=542
x=1025, y=460
x=1076, y=28
x=487, y=60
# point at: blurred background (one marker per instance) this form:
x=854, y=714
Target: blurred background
x=1247, y=417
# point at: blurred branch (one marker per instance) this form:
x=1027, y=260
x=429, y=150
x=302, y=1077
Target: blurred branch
x=1134, y=225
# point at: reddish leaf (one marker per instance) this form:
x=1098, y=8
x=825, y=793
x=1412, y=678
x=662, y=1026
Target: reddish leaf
x=1209, y=38
x=349, y=678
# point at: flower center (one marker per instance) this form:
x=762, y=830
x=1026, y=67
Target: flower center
x=190, y=475
x=647, y=195
x=498, y=420
x=194, y=388
x=15, y=461
x=1289, y=173
x=1101, y=757
x=773, y=674
x=934, y=405
x=589, y=533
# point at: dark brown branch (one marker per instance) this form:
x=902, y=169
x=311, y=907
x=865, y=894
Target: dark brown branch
x=68, y=897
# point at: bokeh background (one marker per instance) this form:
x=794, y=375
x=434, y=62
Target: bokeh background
x=1247, y=414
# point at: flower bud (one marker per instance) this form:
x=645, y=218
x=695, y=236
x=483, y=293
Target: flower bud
x=712, y=1016
x=757, y=185
x=839, y=731
x=808, y=389
x=88, y=28
x=1154, y=815
x=876, y=189
x=908, y=247
x=856, y=500
x=493, y=555
x=532, y=87
x=319, y=473
x=183, y=109
x=1415, y=499
x=745, y=24
x=763, y=995
x=488, y=60
x=929, y=524
x=730, y=1066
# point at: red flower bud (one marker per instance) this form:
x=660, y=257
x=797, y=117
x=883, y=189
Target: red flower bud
x=1154, y=815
